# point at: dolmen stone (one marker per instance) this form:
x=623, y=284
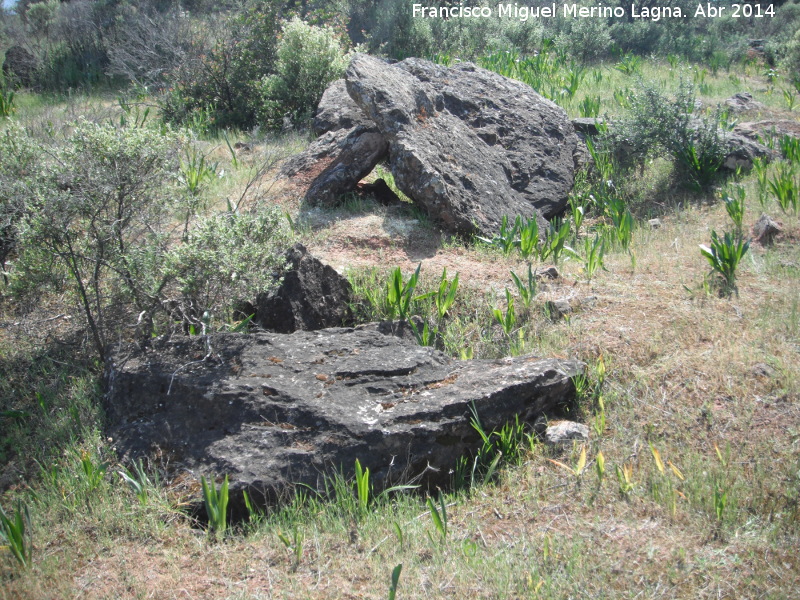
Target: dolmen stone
x=466, y=144
x=347, y=150
x=273, y=411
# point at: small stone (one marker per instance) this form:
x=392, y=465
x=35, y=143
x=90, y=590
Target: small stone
x=548, y=273
x=763, y=370
x=558, y=309
x=654, y=223
x=765, y=230
x=566, y=432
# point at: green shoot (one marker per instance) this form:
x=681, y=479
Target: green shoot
x=446, y=294
x=507, y=320
x=734, y=205
x=216, y=503
x=527, y=290
x=363, y=487
x=138, y=481
x=395, y=581
x=12, y=531
x=439, y=517
x=724, y=256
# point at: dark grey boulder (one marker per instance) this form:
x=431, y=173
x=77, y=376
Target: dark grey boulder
x=312, y=296
x=334, y=163
x=347, y=149
x=336, y=110
x=588, y=125
x=272, y=411
x=468, y=145
x=741, y=151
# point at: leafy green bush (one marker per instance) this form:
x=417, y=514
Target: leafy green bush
x=585, y=39
x=308, y=59
x=227, y=258
x=95, y=210
x=221, y=73
x=658, y=124
x=101, y=215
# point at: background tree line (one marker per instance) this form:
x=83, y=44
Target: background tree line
x=240, y=64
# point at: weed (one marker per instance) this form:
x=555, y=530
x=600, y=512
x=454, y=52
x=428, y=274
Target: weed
x=446, y=294
x=790, y=148
x=600, y=468
x=555, y=241
x=578, y=468
x=599, y=423
x=785, y=188
x=363, y=487
x=506, y=238
x=439, y=517
x=528, y=238
x=195, y=171
x=400, y=294
x=13, y=529
x=593, y=252
x=138, y=481
x=395, y=581
x=254, y=514
x=625, y=479
x=724, y=256
x=6, y=102
x=527, y=290
x=720, y=503
x=629, y=64
x=294, y=545
x=216, y=503
x=790, y=99
x=760, y=168
x=622, y=98
x=589, y=106
x=507, y=320
x=734, y=205
x=578, y=212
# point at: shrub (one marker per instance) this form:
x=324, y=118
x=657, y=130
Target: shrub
x=223, y=68
x=308, y=59
x=101, y=216
x=95, y=210
x=585, y=39
x=226, y=259
x=791, y=61
x=659, y=124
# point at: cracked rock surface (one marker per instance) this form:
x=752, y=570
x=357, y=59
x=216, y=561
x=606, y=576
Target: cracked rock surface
x=275, y=410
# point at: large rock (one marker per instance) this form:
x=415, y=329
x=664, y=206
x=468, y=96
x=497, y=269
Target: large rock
x=743, y=102
x=347, y=150
x=741, y=151
x=468, y=145
x=312, y=296
x=273, y=410
x=336, y=110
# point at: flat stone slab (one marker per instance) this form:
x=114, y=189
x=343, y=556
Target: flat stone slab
x=275, y=410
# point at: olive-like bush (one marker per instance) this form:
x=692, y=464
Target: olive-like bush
x=101, y=216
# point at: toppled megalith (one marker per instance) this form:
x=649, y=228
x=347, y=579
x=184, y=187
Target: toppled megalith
x=275, y=410
x=467, y=144
x=347, y=149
